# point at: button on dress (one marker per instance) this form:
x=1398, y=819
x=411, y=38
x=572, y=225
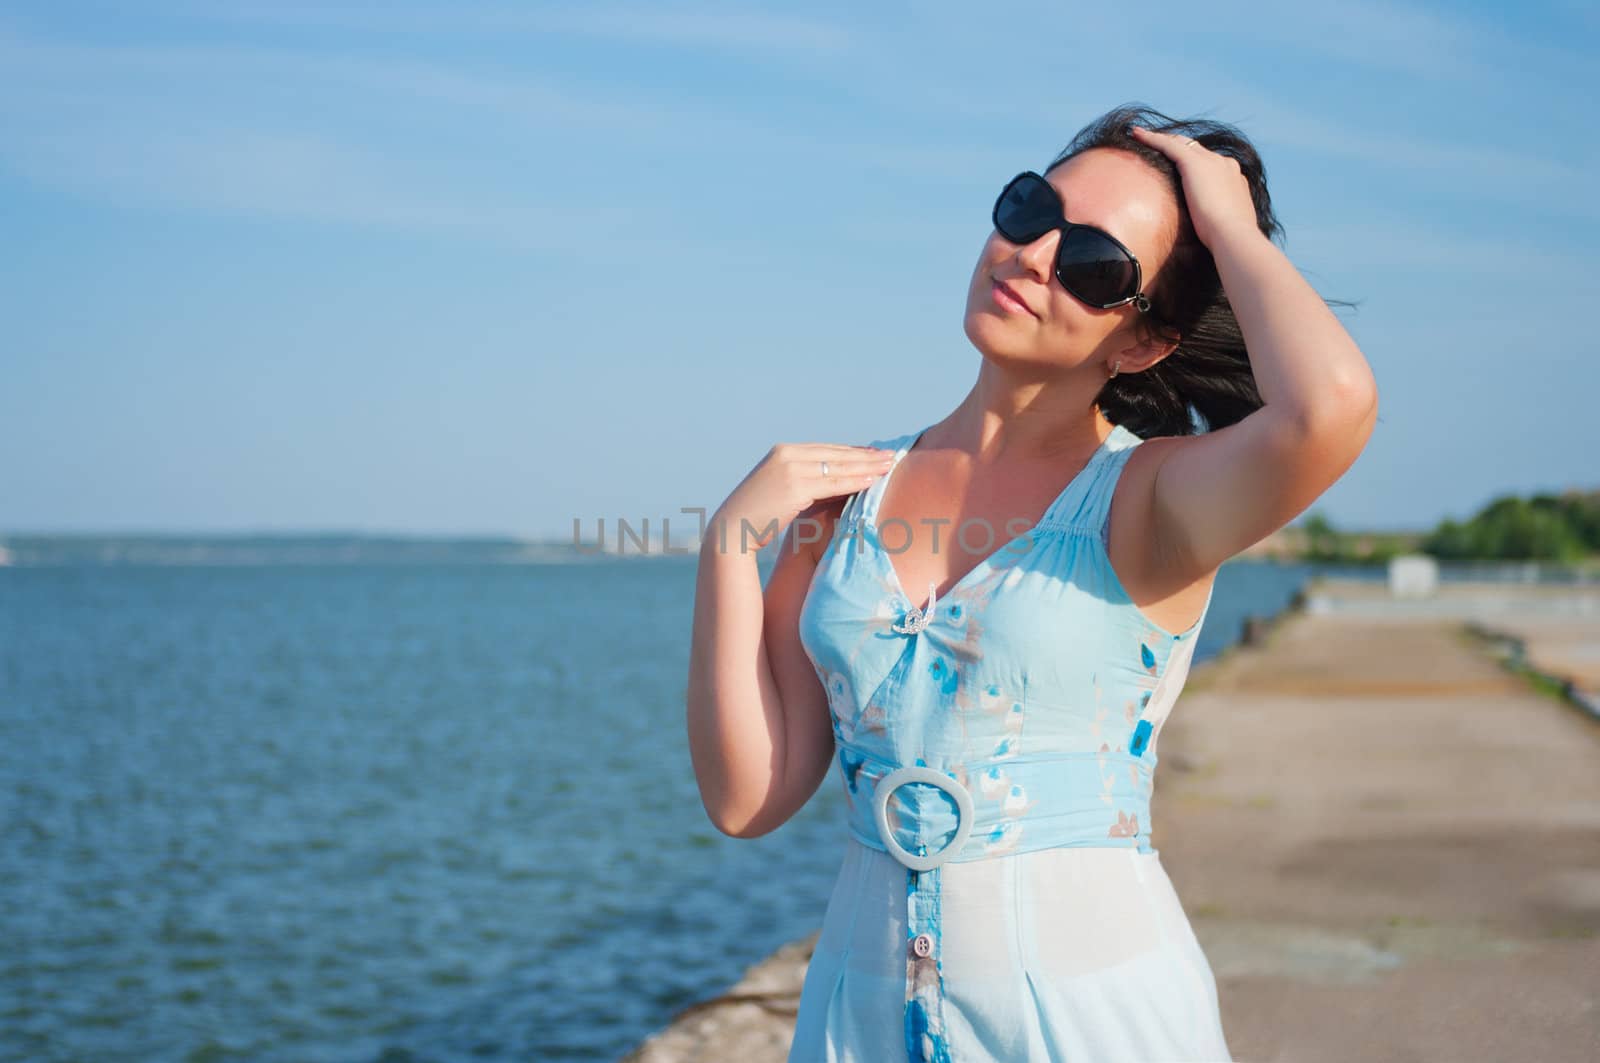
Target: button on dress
x=999, y=896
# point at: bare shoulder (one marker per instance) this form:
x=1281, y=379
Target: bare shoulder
x=813, y=528
x=1151, y=571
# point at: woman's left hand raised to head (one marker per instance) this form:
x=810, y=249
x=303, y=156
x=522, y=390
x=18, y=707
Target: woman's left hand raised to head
x=1217, y=191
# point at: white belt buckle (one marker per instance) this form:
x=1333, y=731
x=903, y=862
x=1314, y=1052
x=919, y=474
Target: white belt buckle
x=880, y=810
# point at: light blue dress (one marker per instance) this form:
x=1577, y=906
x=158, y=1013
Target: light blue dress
x=999, y=896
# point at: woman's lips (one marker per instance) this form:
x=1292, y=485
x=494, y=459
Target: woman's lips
x=1010, y=300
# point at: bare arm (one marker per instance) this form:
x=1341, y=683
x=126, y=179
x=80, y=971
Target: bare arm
x=1216, y=494
x=738, y=710
x=759, y=731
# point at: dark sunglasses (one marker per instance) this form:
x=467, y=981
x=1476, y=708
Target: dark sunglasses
x=1092, y=264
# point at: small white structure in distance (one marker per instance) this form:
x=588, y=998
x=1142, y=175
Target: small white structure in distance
x=1413, y=576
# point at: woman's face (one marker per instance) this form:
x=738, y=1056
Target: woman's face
x=1111, y=189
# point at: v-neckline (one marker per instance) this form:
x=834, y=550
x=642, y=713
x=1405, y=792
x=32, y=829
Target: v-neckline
x=988, y=560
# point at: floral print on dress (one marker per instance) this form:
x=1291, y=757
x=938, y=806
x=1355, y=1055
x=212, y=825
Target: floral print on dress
x=1126, y=826
x=873, y=720
x=1013, y=720
x=1016, y=803
x=1004, y=837
x=993, y=784
x=850, y=763
x=1141, y=737
x=841, y=703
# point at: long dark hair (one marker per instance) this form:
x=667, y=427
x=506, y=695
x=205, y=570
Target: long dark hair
x=1209, y=370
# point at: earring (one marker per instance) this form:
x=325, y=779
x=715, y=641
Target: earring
x=1114, y=366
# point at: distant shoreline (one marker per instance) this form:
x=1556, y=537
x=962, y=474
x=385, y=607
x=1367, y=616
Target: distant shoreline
x=34, y=550
x=246, y=548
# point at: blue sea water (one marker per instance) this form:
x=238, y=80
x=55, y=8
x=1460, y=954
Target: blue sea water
x=379, y=813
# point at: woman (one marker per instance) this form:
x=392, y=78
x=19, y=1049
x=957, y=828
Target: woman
x=1000, y=898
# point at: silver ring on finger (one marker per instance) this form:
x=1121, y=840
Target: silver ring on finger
x=824, y=468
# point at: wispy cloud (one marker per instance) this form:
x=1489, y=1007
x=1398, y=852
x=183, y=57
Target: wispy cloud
x=1419, y=42
x=333, y=162
x=1391, y=36
x=726, y=29
x=31, y=67
x=1390, y=242
x=199, y=126
x=732, y=29
x=1554, y=175
x=289, y=175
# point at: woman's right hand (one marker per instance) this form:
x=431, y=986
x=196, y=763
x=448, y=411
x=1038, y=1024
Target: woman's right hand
x=788, y=480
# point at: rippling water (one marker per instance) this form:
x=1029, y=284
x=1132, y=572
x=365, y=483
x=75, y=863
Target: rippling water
x=378, y=812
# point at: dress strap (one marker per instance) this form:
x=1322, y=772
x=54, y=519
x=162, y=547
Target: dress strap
x=1087, y=499
x=1097, y=518
x=873, y=493
x=1097, y=508
x=863, y=505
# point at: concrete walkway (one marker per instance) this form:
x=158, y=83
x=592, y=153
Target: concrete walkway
x=1388, y=844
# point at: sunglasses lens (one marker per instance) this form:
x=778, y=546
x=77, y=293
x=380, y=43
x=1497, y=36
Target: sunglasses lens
x=1027, y=209
x=1095, y=269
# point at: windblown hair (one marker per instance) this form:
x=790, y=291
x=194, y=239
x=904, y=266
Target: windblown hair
x=1209, y=370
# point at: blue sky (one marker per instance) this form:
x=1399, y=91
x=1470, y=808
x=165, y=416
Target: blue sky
x=452, y=268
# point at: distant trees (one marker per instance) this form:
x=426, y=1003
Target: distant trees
x=1323, y=543
x=1564, y=527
